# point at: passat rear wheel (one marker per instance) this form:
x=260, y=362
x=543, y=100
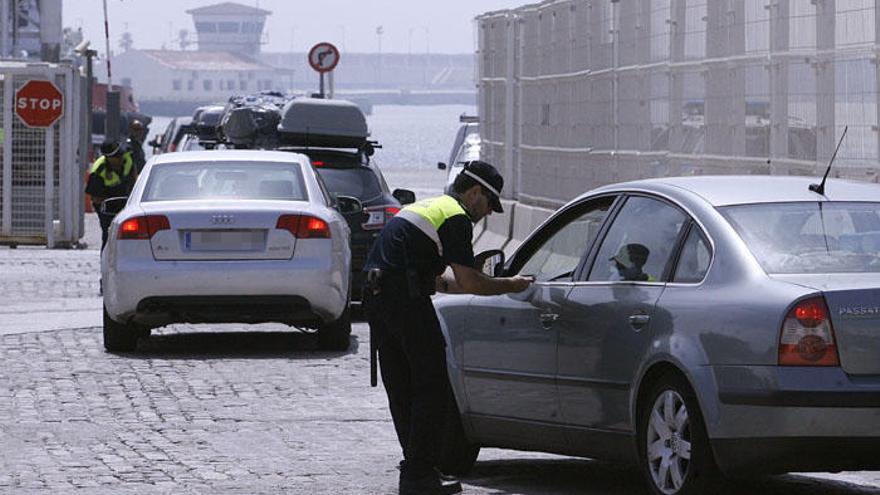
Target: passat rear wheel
x=674, y=449
x=336, y=335
x=119, y=337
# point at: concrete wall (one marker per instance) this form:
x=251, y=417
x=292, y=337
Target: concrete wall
x=575, y=94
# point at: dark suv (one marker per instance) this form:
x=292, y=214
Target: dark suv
x=352, y=173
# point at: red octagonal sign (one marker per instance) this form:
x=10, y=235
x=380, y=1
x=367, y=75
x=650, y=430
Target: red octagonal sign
x=39, y=103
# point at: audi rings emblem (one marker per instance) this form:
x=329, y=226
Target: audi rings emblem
x=222, y=219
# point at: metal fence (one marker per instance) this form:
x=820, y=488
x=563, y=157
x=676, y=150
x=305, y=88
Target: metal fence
x=41, y=169
x=578, y=93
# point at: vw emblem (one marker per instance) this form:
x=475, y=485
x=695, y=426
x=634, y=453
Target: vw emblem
x=222, y=219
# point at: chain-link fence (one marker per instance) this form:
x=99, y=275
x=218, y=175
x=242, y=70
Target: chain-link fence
x=41, y=170
x=578, y=93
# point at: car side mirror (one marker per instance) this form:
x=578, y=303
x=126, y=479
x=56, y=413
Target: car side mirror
x=348, y=205
x=112, y=206
x=156, y=141
x=405, y=196
x=490, y=262
x=441, y=165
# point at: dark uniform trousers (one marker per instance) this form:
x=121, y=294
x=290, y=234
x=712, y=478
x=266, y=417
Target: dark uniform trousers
x=106, y=220
x=412, y=360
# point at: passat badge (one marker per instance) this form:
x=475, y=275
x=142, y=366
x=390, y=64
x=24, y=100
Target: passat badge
x=222, y=219
x=858, y=311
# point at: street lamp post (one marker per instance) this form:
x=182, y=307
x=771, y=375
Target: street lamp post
x=379, y=31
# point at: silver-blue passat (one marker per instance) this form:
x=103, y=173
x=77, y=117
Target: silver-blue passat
x=227, y=236
x=699, y=326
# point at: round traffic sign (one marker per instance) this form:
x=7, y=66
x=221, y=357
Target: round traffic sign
x=323, y=57
x=39, y=103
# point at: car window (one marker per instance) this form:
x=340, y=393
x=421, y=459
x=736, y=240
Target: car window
x=469, y=150
x=639, y=243
x=328, y=200
x=556, y=255
x=810, y=237
x=359, y=182
x=233, y=180
x=694, y=260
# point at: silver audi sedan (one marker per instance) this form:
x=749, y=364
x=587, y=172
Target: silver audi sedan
x=700, y=326
x=228, y=236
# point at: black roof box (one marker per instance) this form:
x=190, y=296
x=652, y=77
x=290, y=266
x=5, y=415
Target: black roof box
x=323, y=123
x=206, y=120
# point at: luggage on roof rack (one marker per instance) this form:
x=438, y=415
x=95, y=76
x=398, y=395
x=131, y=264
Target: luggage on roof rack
x=252, y=121
x=206, y=122
x=323, y=123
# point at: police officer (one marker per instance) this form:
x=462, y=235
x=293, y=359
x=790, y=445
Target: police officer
x=404, y=268
x=112, y=175
x=135, y=143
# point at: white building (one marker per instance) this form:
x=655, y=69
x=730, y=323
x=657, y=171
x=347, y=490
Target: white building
x=225, y=63
x=190, y=76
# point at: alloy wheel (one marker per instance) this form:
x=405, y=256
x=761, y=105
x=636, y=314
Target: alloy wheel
x=668, y=442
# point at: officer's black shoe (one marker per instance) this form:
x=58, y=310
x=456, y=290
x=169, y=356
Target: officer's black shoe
x=443, y=477
x=429, y=485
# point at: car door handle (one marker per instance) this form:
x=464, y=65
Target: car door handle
x=637, y=321
x=548, y=319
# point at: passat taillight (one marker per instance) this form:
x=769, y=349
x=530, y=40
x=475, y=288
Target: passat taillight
x=143, y=227
x=304, y=226
x=379, y=216
x=807, y=337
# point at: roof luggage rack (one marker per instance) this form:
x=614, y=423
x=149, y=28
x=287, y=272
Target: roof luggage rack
x=206, y=121
x=323, y=123
x=271, y=120
x=252, y=121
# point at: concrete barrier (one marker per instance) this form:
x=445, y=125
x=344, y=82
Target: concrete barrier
x=508, y=230
x=498, y=228
x=526, y=220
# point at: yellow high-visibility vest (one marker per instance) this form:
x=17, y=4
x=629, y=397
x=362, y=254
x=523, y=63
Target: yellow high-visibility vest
x=110, y=177
x=428, y=215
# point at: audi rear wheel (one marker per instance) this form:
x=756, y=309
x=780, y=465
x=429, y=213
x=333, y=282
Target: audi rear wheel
x=336, y=335
x=119, y=337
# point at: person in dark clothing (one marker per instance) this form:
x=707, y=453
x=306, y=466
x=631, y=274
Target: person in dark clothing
x=404, y=268
x=135, y=143
x=112, y=175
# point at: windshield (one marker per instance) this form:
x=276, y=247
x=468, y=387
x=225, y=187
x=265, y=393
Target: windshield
x=359, y=182
x=821, y=237
x=233, y=180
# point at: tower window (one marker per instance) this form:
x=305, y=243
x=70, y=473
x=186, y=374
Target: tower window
x=227, y=27
x=206, y=27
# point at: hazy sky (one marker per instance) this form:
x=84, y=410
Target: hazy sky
x=444, y=26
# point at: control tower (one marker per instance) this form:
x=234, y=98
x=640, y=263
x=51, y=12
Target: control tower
x=229, y=27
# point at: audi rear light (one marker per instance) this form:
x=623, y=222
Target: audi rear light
x=143, y=227
x=807, y=337
x=379, y=216
x=304, y=226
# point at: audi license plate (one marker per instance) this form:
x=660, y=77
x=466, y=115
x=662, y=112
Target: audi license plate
x=224, y=240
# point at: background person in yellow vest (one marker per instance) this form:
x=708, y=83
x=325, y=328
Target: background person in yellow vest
x=112, y=175
x=404, y=267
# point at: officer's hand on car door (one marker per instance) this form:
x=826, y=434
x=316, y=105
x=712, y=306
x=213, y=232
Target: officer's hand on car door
x=520, y=283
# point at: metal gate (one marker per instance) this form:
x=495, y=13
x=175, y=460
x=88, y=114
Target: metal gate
x=41, y=169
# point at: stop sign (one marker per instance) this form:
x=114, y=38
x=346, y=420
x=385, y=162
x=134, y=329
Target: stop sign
x=39, y=103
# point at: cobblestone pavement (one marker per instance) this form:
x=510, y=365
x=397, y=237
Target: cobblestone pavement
x=229, y=409
x=216, y=409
